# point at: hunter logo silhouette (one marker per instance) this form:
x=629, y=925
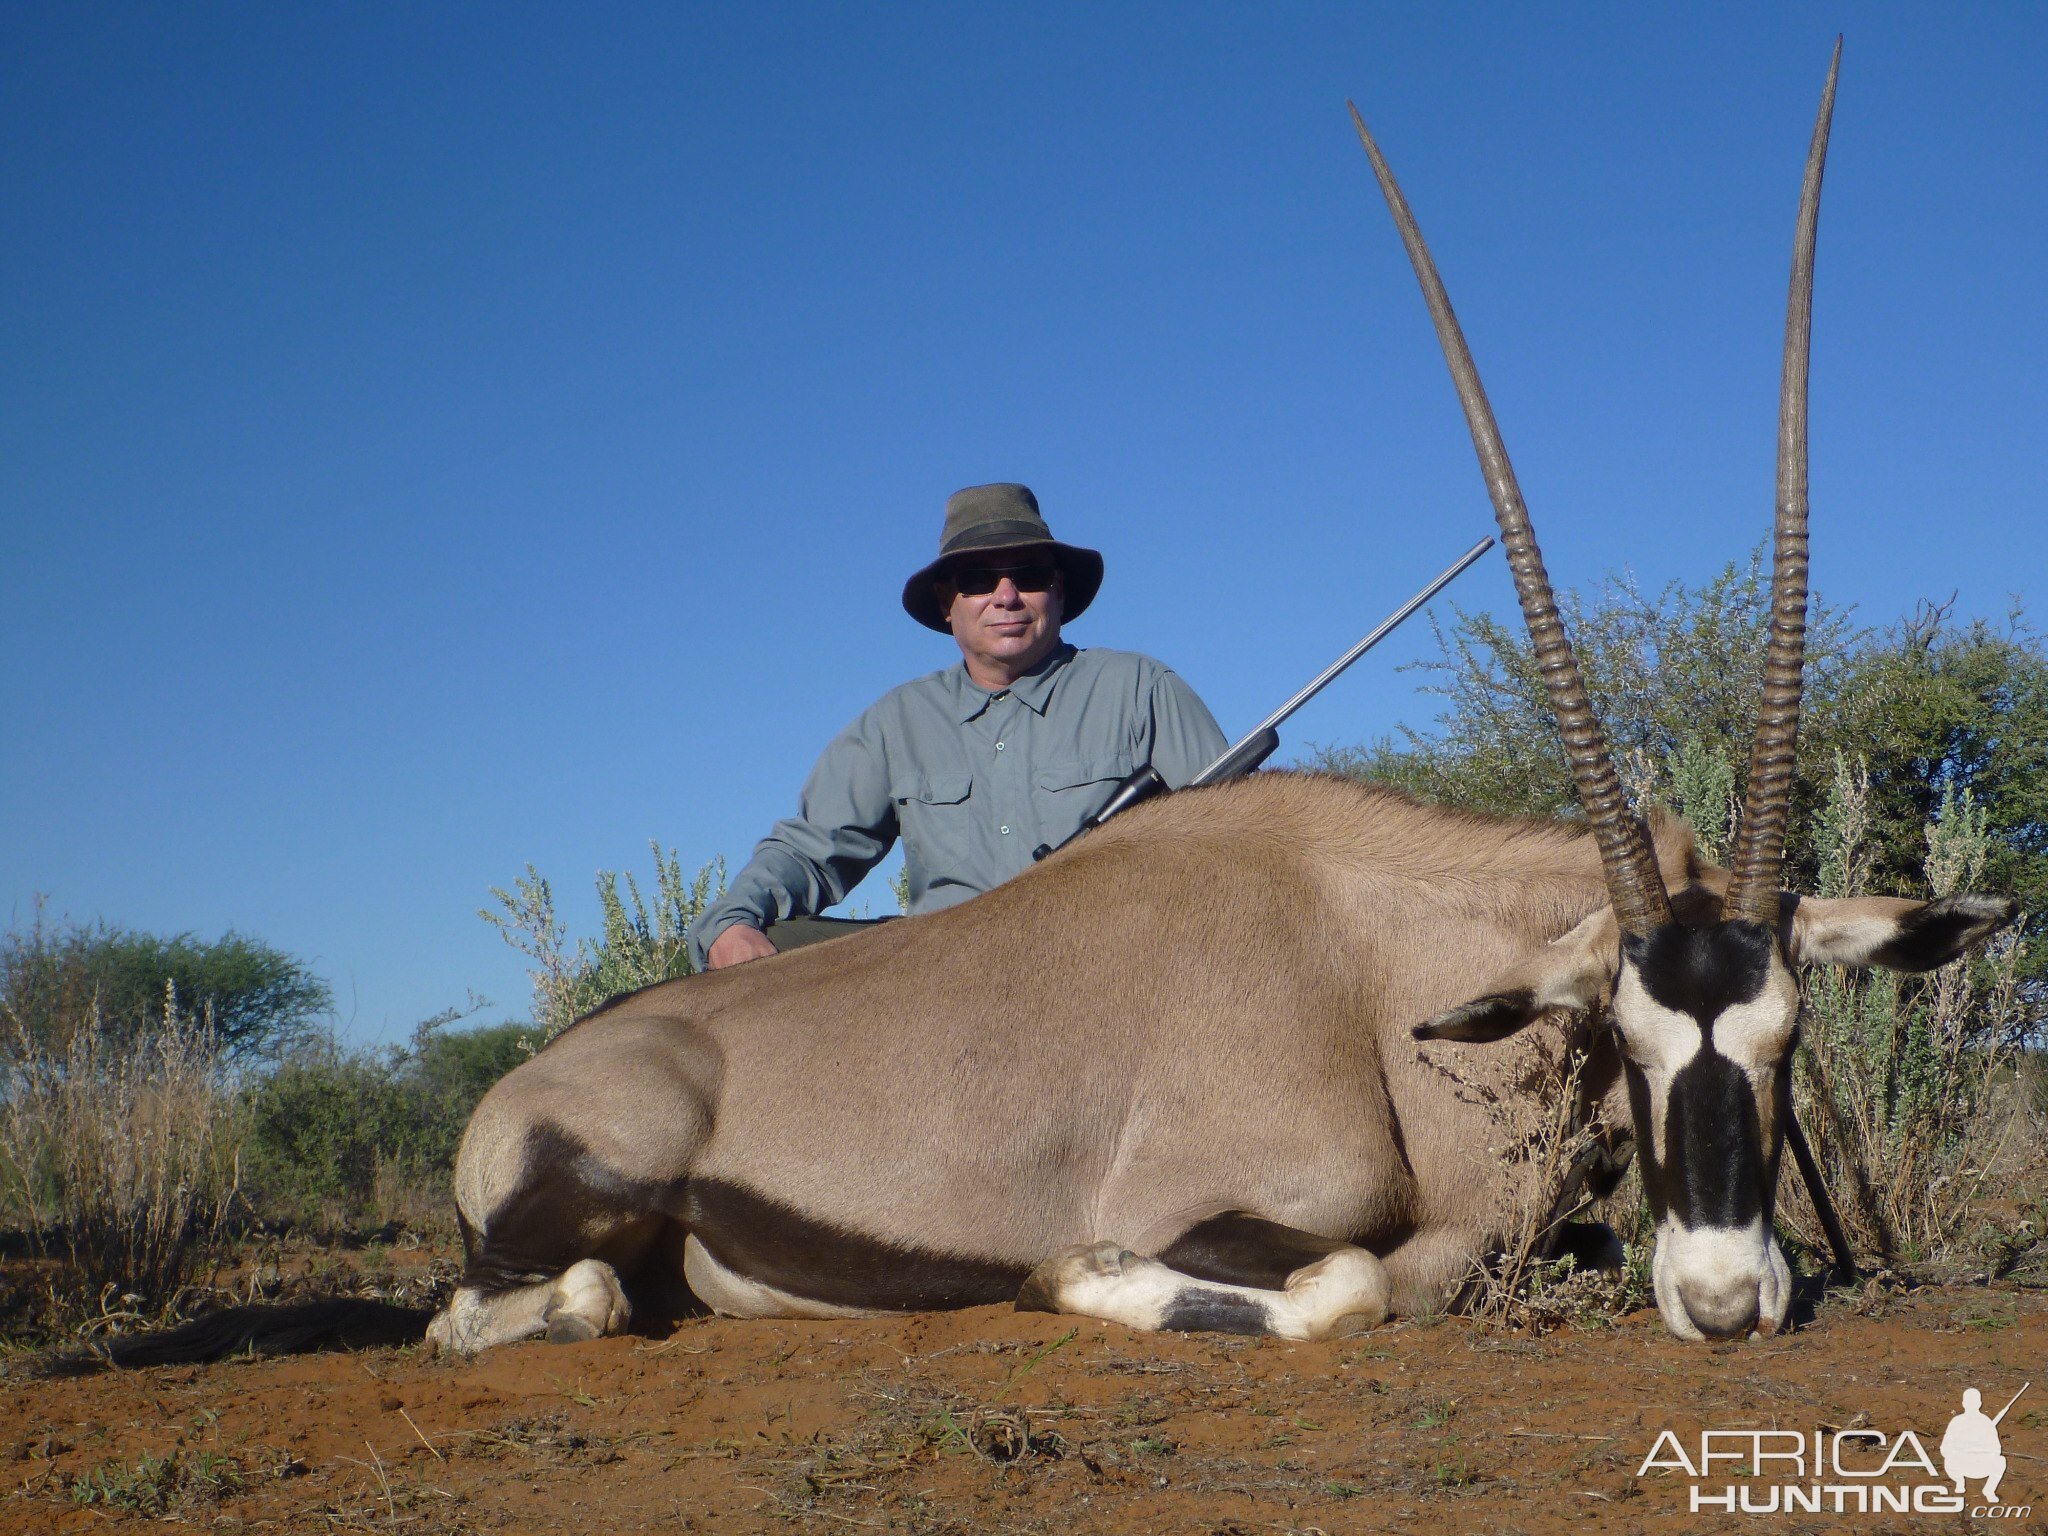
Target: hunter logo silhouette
x=1970, y=1448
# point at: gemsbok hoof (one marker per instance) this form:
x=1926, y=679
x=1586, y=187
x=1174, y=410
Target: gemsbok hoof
x=1052, y=1285
x=587, y=1303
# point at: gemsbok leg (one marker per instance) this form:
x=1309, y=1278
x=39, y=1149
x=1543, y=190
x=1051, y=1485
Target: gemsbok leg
x=1230, y=1273
x=559, y=1189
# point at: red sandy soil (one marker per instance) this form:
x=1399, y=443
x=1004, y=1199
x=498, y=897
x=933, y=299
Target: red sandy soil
x=994, y=1421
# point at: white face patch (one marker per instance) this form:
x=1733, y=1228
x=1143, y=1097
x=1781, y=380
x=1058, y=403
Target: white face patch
x=1659, y=1041
x=1756, y=1035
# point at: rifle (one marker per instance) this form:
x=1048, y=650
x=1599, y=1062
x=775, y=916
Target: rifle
x=1263, y=741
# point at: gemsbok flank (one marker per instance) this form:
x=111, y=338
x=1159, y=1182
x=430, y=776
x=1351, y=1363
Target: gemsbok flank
x=1171, y=1077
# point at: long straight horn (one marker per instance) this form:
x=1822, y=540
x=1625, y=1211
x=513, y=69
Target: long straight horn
x=1640, y=902
x=1759, y=858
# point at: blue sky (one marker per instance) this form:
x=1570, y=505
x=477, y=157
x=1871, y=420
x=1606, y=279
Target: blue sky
x=434, y=439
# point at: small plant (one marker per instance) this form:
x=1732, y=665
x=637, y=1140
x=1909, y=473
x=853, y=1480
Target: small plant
x=1436, y=1412
x=1520, y=1285
x=159, y=1485
x=639, y=946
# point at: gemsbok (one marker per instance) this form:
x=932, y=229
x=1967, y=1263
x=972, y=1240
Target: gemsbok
x=1260, y=1057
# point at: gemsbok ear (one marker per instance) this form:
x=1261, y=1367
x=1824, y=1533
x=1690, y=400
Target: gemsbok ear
x=1575, y=971
x=1890, y=931
x=1483, y=1020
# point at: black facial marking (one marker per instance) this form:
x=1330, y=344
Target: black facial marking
x=1482, y=1020
x=779, y=1246
x=1941, y=930
x=1193, y=1311
x=1713, y=1168
x=1238, y=1249
x=1714, y=1141
x=1702, y=972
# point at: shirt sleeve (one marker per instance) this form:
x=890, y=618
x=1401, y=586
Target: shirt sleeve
x=1185, y=736
x=844, y=824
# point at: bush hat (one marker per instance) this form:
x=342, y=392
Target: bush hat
x=996, y=519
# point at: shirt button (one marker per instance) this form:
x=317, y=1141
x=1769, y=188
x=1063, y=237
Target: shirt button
x=1006, y=831
x=999, y=746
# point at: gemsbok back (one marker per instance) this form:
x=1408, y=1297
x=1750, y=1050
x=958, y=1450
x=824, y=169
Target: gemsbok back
x=1262, y=1057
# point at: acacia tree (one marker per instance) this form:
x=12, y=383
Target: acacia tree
x=260, y=1000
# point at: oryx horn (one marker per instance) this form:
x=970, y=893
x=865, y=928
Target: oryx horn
x=1759, y=856
x=1637, y=889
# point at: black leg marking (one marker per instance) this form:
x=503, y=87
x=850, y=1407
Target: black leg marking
x=1240, y=1249
x=1592, y=1176
x=775, y=1245
x=563, y=1193
x=1589, y=1245
x=1193, y=1311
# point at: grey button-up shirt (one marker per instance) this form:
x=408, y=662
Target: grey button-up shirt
x=971, y=780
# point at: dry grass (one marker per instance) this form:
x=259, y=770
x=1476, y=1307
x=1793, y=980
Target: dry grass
x=1521, y=1286
x=119, y=1153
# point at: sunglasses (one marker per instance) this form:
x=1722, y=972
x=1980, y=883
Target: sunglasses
x=980, y=580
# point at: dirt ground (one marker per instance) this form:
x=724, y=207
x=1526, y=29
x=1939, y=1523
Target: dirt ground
x=995, y=1421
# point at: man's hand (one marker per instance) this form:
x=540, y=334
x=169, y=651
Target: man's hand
x=736, y=945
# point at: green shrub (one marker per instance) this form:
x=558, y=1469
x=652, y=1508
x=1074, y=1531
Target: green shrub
x=1929, y=709
x=341, y=1139
x=1912, y=1088
x=638, y=949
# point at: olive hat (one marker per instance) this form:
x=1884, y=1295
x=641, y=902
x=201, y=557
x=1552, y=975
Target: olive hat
x=997, y=519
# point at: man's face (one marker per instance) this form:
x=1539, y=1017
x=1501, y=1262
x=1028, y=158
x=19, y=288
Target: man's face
x=1013, y=622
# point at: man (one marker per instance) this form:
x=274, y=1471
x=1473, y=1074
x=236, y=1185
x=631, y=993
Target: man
x=977, y=765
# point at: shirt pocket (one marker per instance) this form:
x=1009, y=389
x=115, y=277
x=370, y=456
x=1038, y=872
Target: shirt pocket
x=1070, y=790
x=934, y=814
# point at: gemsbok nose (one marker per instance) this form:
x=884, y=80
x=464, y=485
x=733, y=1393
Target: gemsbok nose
x=1725, y=1307
x=1721, y=1282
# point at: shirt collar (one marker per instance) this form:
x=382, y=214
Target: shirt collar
x=1033, y=689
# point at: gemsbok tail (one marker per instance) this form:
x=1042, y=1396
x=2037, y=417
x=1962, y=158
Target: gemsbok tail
x=345, y=1322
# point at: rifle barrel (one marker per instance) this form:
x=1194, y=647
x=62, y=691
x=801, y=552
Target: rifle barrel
x=1330, y=673
x=2008, y=1407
